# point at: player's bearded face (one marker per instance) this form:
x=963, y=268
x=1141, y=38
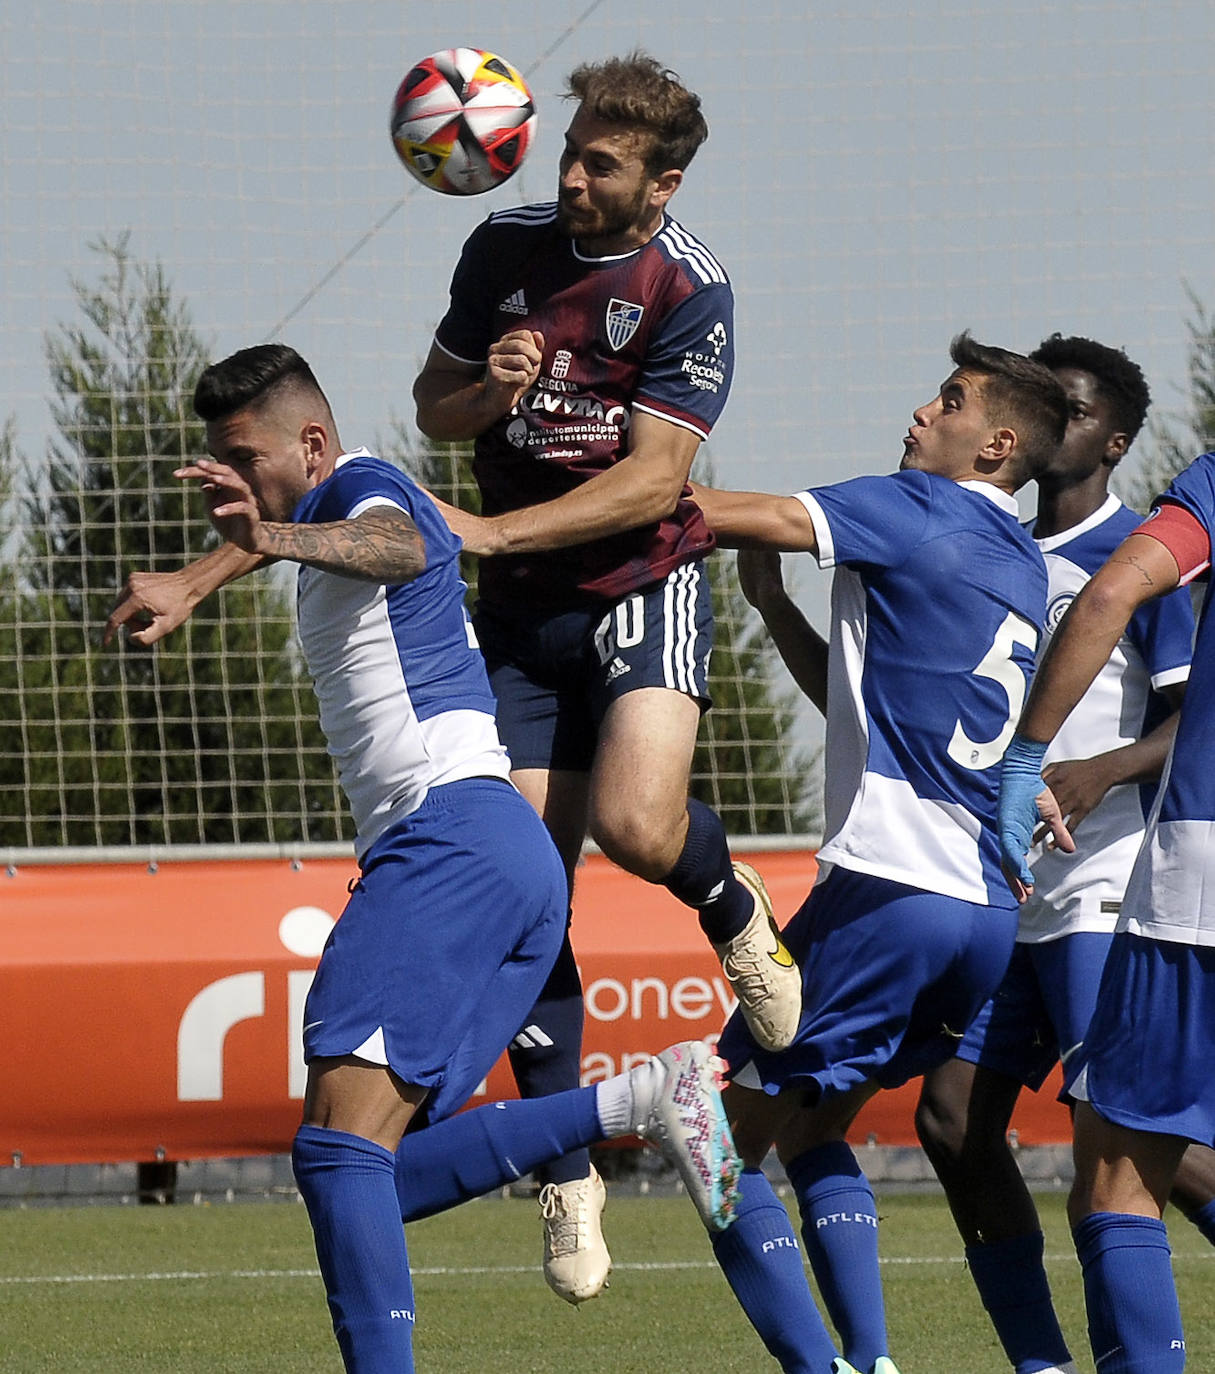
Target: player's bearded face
x=604, y=192
x=605, y=217
x=268, y=454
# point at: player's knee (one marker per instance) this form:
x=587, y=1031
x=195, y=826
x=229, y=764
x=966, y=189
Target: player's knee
x=639, y=843
x=941, y=1125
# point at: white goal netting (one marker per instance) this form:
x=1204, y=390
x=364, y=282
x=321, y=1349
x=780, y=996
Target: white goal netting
x=183, y=178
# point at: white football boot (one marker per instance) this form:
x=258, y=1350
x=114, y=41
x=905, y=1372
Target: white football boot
x=576, y=1260
x=764, y=975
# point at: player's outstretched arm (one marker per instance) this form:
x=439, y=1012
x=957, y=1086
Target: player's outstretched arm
x=799, y=644
x=381, y=545
x=756, y=520
x=644, y=486
x=457, y=401
x=152, y=605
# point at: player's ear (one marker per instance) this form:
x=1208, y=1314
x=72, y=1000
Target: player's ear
x=1115, y=449
x=315, y=440
x=1000, y=445
x=665, y=186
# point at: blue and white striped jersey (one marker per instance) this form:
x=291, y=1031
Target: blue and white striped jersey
x=1083, y=891
x=936, y=609
x=404, y=699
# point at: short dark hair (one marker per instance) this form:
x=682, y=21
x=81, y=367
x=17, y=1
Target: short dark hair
x=251, y=377
x=1118, y=379
x=1021, y=393
x=640, y=91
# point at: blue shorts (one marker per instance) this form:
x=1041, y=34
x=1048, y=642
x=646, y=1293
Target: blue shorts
x=891, y=977
x=1045, y=1001
x=555, y=674
x=1146, y=1061
x=445, y=943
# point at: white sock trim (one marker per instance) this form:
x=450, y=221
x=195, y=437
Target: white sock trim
x=614, y=1105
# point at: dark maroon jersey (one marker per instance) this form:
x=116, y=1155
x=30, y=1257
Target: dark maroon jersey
x=651, y=330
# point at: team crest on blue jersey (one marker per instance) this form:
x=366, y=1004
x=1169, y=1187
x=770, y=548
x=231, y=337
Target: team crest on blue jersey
x=623, y=317
x=1057, y=609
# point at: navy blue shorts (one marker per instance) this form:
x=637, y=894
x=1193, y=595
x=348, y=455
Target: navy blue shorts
x=1146, y=1061
x=445, y=943
x=1041, y=1009
x=555, y=674
x=891, y=977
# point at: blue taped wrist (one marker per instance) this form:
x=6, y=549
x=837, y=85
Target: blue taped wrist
x=1017, y=813
x=1023, y=758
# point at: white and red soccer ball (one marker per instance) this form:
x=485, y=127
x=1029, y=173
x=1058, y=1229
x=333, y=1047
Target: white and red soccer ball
x=463, y=121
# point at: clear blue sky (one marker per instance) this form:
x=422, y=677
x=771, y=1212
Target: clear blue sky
x=878, y=176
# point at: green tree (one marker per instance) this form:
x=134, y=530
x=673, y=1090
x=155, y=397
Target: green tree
x=211, y=736
x=1172, y=445
x=745, y=766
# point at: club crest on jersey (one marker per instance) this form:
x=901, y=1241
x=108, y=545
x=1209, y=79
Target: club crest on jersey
x=1057, y=609
x=623, y=317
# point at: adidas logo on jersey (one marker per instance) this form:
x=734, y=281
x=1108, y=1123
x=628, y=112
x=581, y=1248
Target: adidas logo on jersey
x=514, y=304
x=616, y=669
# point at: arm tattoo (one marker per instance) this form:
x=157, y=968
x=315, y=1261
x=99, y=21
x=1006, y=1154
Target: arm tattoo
x=381, y=545
x=1146, y=577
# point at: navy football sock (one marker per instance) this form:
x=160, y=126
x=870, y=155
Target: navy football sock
x=704, y=878
x=347, y=1185
x=760, y=1258
x=840, y=1229
x=470, y=1154
x=546, y=1055
x=1134, y=1322
x=1204, y=1219
x=1011, y=1279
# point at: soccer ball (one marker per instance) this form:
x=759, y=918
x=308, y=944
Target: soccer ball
x=463, y=121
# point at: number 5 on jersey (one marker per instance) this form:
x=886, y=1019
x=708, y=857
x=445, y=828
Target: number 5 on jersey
x=1000, y=666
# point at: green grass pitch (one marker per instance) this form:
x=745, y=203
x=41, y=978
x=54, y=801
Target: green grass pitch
x=233, y=1287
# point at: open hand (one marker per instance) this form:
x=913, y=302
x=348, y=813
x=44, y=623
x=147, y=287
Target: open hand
x=231, y=505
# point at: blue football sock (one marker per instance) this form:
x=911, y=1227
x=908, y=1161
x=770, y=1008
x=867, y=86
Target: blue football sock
x=840, y=1229
x=347, y=1185
x=1204, y=1219
x=477, y=1151
x=546, y=1055
x=1011, y=1279
x=703, y=877
x=1134, y=1322
x=760, y=1258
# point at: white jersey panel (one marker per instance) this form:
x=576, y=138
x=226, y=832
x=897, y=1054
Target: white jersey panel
x=1083, y=892
x=929, y=830
x=847, y=743
x=1171, y=893
x=386, y=758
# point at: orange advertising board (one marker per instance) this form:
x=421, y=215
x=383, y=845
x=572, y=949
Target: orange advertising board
x=154, y=1012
